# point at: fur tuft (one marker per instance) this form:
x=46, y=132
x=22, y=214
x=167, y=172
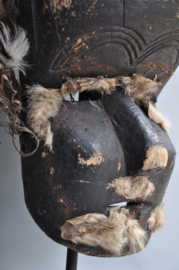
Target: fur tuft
x=136, y=236
x=156, y=116
x=103, y=85
x=112, y=233
x=132, y=187
x=42, y=104
x=139, y=87
x=156, y=157
x=157, y=219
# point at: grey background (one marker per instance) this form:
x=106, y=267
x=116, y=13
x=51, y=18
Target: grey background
x=23, y=246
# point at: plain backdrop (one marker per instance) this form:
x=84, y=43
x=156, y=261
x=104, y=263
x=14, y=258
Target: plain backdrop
x=23, y=246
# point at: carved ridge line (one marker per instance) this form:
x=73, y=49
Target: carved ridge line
x=169, y=34
x=162, y=41
x=154, y=49
x=133, y=46
x=130, y=40
x=128, y=31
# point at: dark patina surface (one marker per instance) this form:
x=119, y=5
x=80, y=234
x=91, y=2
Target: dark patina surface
x=90, y=39
x=69, y=182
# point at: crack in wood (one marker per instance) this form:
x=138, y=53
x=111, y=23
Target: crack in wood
x=124, y=6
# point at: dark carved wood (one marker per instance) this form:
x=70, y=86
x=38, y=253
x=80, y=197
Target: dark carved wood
x=102, y=37
x=91, y=38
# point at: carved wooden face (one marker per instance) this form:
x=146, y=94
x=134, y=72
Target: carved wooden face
x=93, y=147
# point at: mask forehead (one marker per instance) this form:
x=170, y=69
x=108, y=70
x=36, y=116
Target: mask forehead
x=94, y=38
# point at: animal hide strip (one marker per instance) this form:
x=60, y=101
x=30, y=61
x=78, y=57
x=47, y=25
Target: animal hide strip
x=112, y=233
x=101, y=84
x=132, y=187
x=157, y=219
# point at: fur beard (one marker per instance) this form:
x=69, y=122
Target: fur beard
x=112, y=233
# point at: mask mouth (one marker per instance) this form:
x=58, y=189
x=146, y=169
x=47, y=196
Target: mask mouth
x=84, y=96
x=93, y=96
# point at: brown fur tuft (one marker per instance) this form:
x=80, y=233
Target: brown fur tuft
x=42, y=104
x=112, y=233
x=139, y=87
x=132, y=187
x=103, y=85
x=157, y=219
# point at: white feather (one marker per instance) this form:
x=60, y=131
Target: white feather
x=16, y=47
